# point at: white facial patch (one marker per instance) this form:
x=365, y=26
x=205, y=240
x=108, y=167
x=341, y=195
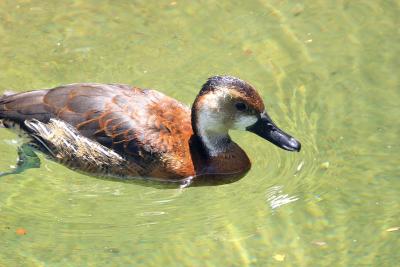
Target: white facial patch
x=209, y=118
x=210, y=123
x=244, y=121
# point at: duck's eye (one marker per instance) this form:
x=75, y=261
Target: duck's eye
x=240, y=106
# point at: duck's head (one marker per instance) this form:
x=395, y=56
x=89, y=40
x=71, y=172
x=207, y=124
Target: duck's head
x=226, y=102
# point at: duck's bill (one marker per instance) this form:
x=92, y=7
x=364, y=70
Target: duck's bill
x=268, y=130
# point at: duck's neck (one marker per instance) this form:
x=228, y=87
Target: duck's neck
x=212, y=133
x=215, y=143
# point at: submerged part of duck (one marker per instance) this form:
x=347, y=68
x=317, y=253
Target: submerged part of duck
x=125, y=132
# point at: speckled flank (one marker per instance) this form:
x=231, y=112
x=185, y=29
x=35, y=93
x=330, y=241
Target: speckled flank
x=64, y=143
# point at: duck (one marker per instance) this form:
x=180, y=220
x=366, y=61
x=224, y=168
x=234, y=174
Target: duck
x=125, y=132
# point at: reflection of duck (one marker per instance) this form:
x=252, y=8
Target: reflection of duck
x=123, y=131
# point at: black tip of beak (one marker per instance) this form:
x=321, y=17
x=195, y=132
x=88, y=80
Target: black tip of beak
x=294, y=145
x=267, y=129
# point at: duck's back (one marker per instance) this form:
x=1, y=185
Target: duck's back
x=145, y=126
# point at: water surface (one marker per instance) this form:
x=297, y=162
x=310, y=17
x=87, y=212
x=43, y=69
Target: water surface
x=329, y=74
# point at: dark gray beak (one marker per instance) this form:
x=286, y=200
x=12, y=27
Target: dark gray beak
x=267, y=129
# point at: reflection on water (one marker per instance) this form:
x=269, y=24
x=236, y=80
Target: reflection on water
x=276, y=198
x=328, y=73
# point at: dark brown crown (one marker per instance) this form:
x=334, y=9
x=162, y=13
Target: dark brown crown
x=243, y=89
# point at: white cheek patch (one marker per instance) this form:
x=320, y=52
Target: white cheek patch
x=244, y=121
x=209, y=118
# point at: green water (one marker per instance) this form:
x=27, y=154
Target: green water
x=329, y=74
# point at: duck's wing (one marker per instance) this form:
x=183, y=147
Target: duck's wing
x=149, y=128
x=69, y=102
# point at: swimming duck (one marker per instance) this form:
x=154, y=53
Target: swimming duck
x=125, y=132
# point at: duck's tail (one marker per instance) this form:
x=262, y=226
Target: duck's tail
x=2, y=96
x=2, y=101
x=7, y=93
x=4, y=118
x=15, y=108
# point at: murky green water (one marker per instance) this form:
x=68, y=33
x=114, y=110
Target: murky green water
x=329, y=72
